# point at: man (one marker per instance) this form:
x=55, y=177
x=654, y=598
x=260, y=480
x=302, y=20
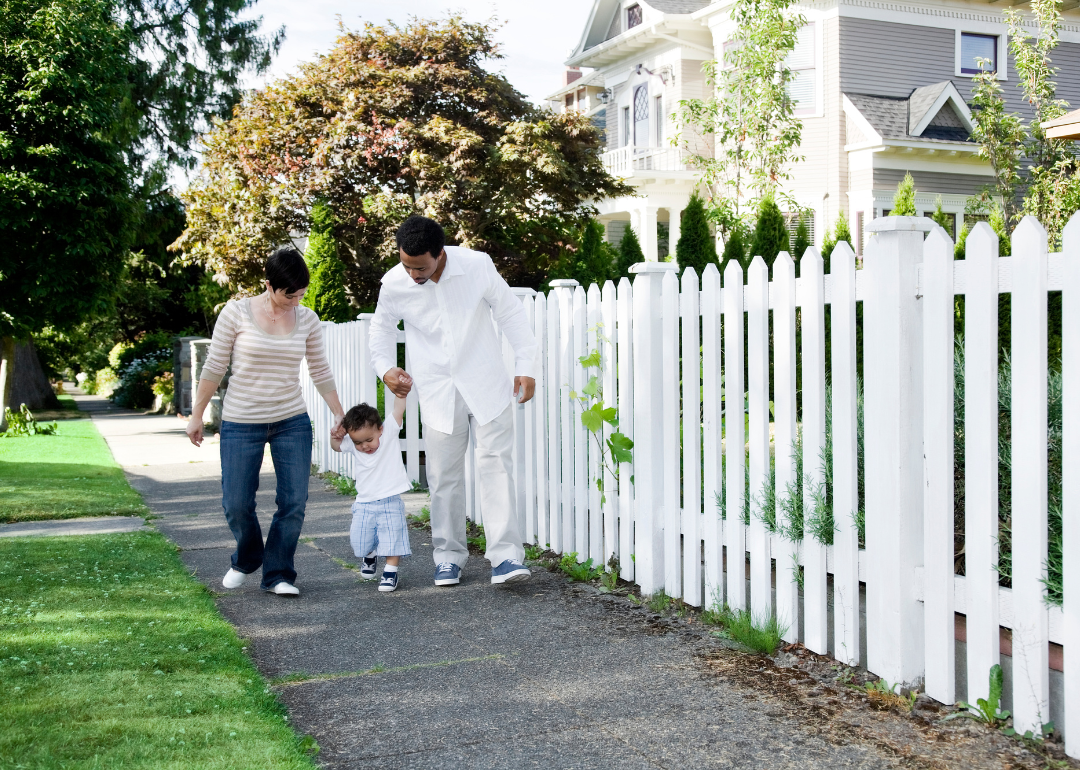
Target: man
x=447, y=296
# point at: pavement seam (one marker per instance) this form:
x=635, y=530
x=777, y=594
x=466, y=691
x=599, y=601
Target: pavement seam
x=287, y=681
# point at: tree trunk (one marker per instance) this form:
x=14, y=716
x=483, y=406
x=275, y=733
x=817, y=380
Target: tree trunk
x=31, y=386
x=7, y=378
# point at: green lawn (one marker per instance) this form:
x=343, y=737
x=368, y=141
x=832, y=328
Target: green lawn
x=111, y=655
x=63, y=476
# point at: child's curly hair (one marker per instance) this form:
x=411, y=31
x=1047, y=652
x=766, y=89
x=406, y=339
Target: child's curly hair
x=361, y=415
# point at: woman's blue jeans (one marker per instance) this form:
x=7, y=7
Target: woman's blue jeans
x=242, y=447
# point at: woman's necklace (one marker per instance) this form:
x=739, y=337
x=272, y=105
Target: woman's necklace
x=273, y=319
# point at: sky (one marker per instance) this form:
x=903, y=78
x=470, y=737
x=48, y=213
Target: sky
x=536, y=36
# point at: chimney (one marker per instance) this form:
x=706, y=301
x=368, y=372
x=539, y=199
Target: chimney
x=571, y=74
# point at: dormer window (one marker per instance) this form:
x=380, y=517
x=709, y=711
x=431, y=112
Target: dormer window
x=633, y=16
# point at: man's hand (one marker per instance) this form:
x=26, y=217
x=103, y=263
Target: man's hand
x=524, y=387
x=194, y=430
x=399, y=382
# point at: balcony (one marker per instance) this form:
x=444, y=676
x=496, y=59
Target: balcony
x=638, y=163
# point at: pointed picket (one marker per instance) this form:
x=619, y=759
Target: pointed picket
x=593, y=332
x=527, y=440
x=1031, y=693
x=815, y=579
x=712, y=430
x=786, y=553
x=608, y=357
x=625, y=353
x=981, y=458
x=669, y=375
x=540, y=420
x=1070, y=507
x=734, y=436
x=691, y=438
x=757, y=354
x=579, y=335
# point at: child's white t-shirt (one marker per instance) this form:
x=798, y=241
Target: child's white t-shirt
x=381, y=473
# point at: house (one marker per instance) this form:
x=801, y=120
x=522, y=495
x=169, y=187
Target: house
x=882, y=88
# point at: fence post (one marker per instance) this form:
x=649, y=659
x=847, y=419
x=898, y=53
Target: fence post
x=893, y=363
x=648, y=425
x=691, y=437
x=1070, y=499
x=672, y=515
x=624, y=309
x=564, y=293
x=814, y=553
x=712, y=433
x=734, y=436
x=786, y=551
x=757, y=356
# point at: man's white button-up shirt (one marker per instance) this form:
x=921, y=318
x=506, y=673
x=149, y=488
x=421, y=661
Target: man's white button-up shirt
x=451, y=339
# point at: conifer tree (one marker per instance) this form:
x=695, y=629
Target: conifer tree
x=802, y=239
x=630, y=252
x=904, y=199
x=734, y=249
x=770, y=234
x=326, y=293
x=696, y=247
x=839, y=232
x=941, y=218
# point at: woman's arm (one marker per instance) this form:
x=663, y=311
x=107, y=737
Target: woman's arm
x=206, y=390
x=321, y=375
x=217, y=363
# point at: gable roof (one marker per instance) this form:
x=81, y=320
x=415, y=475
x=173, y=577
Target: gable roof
x=934, y=113
x=678, y=6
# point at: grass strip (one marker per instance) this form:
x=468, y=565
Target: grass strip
x=300, y=677
x=63, y=476
x=112, y=655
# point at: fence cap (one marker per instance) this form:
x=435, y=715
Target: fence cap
x=560, y=283
x=654, y=267
x=903, y=224
x=365, y=316
x=521, y=291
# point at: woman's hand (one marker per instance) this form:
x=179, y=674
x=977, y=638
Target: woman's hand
x=194, y=429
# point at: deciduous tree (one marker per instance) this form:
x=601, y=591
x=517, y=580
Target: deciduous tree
x=393, y=121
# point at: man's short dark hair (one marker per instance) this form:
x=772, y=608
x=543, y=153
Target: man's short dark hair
x=360, y=416
x=286, y=269
x=420, y=235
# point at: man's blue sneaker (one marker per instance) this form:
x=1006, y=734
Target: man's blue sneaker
x=389, y=581
x=447, y=574
x=510, y=571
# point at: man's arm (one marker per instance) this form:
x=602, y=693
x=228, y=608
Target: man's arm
x=382, y=337
x=513, y=321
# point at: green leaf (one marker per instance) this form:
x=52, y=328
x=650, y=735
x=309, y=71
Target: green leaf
x=592, y=419
x=609, y=415
x=620, y=447
x=593, y=387
x=593, y=359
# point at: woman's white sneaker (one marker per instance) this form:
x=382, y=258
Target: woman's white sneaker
x=233, y=579
x=285, y=589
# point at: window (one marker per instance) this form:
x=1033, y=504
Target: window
x=641, y=116
x=729, y=48
x=625, y=126
x=974, y=47
x=633, y=16
x=569, y=101
x=802, y=88
x=659, y=111
x=950, y=222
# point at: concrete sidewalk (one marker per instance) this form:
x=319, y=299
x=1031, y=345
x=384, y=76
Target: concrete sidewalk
x=475, y=676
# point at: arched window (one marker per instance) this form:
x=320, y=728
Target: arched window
x=641, y=116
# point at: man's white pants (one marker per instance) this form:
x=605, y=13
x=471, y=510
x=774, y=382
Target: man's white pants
x=445, y=456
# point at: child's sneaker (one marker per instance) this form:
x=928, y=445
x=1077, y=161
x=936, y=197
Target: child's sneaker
x=389, y=581
x=367, y=568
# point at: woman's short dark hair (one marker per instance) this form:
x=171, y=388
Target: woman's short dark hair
x=420, y=235
x=286, y=269
x=359, y=416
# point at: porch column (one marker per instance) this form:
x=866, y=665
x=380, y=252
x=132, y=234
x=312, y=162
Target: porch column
x=647, y=233
x=674, y=228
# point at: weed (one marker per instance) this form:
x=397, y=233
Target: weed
x=418, y=487
x=884, y=695
x=986, y=709
x=534, y=552
x=739, y=626
x=610, y=580
x=659, y=602
x=583, y=572
x=634, y=599
x=343, y=484
x=421, y=520
x=474, y=536
x=23, y=423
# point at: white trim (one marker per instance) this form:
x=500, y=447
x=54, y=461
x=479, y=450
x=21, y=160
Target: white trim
x=873, y=138
x=946, y=16
x=949, y=93
x=1002, y=51
x=684, y=43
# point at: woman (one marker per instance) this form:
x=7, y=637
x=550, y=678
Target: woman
x=265, y=338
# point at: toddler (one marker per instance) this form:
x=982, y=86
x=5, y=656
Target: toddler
x=378, y=526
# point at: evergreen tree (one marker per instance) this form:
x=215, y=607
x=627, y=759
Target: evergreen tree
x=696, y=247
x=802, y=239
x=904, y=199
x=734, y=249
x=770, y=235
x=630, y=253
x=592, y=261
x=839, y=232
x=326, y=293
x=940, y=217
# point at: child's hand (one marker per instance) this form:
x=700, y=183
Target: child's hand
x=338, y=433
x=406, y=383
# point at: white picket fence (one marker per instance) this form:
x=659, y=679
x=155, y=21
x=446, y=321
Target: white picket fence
x=666, y=368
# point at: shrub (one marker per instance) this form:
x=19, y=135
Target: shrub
x=696, y=247
x=163, y=386
x=135, y=388
x=904, y=198
x=802, y=239
x=770, y=232
x=326, y=293
x=734, y=249
x=105, y=382
x=630, y=252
